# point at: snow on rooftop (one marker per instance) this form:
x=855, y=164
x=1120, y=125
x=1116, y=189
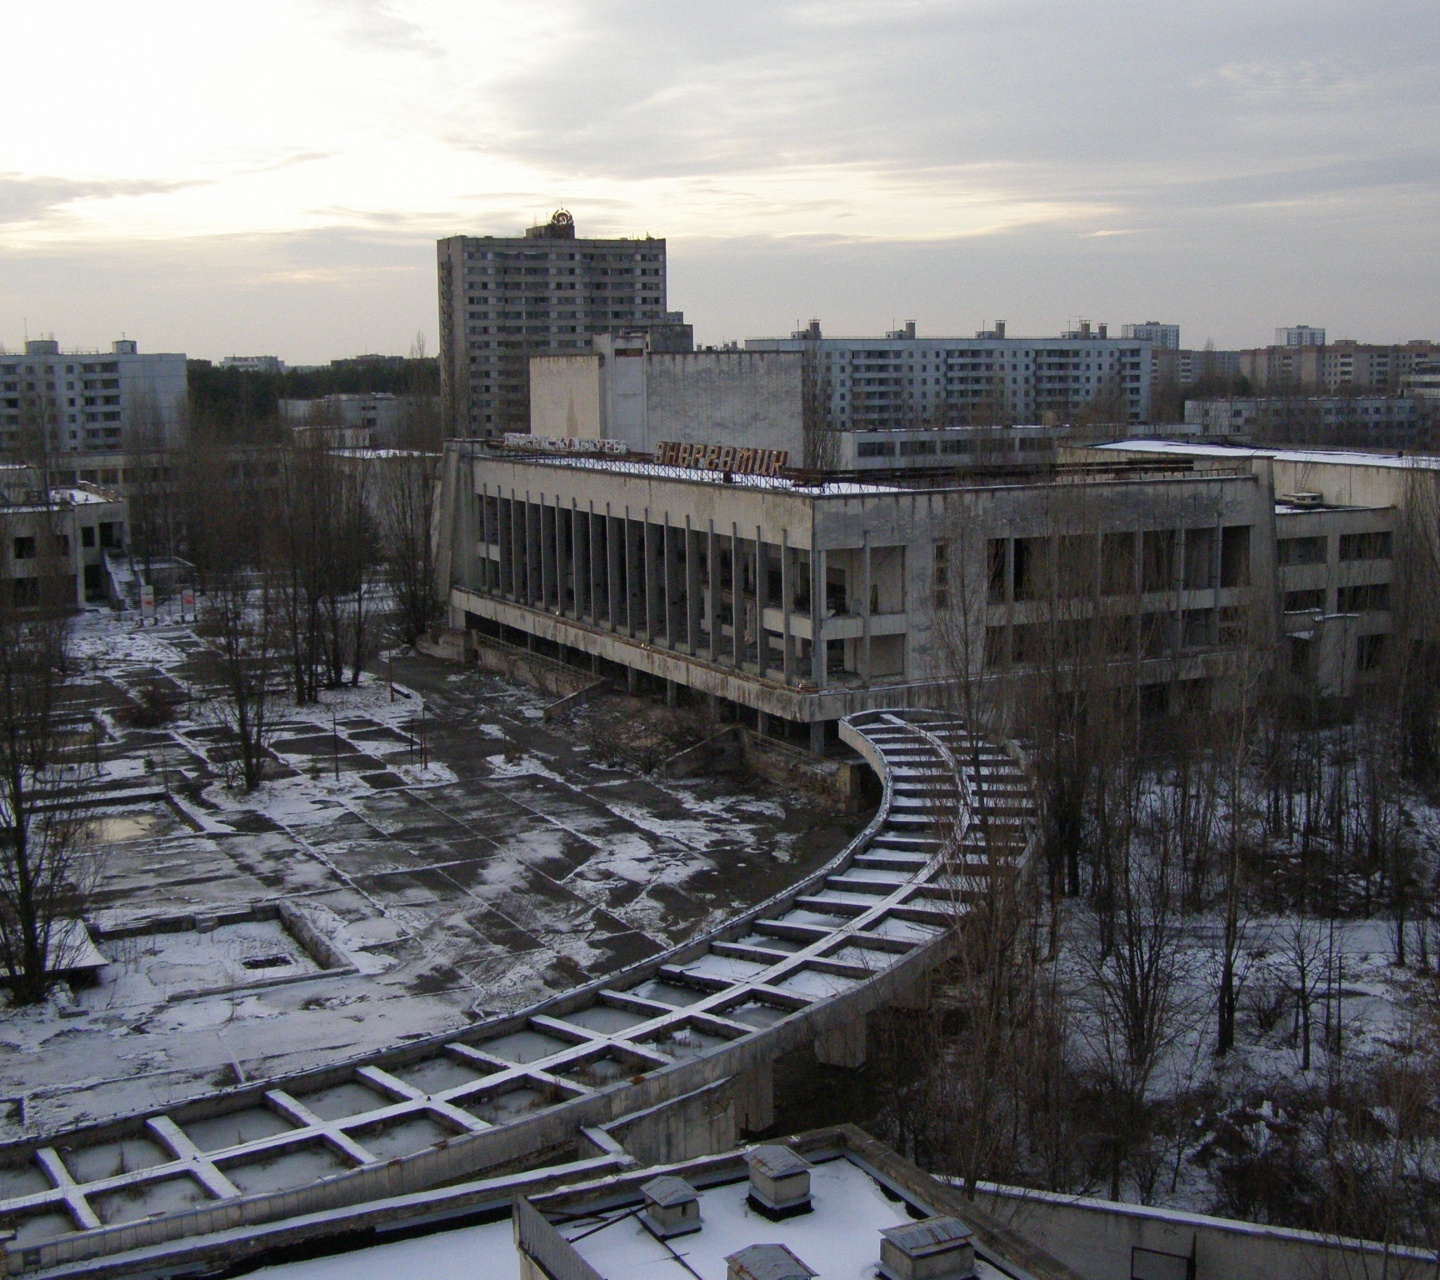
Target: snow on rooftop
x=655, y=471
x=840, y=1240
x=1335, y=457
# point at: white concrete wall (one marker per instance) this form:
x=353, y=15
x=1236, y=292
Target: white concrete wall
x=1095, y=1237
x=749, y=399
x=565, y=396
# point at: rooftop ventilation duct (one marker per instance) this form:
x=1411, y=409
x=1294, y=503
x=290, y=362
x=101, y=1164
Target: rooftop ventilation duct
x=767, y=1262
x=932, y=1249
x=672, y=1208
x=779, y=1182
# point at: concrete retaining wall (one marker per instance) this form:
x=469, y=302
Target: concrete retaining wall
x=1095, y=1237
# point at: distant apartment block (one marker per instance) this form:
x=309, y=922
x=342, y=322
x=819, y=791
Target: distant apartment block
x=1313, y=368
x=86, y=400
x=504, y=299
x=1163, y=337
x=904, y=381
x=366, y=421
x=253, y=364
x=1425, y=381
x=1379, y=421
x=1300, y=335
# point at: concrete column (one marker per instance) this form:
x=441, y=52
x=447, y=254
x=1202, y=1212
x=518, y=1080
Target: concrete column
x=1177, y=575
x=817, y=737
x=761, y=569
x=549, y=549
x=502, y=540
x=762, y=723
x=613, y=547
x=787, y=601
x=865, y=608
x=713, y=571
x=651, y=574
x=817, y=617
x=519, y=531
x=755, y=1098
x=669, y=568
x=579, y=559
x=593, y=596
x=737, y=599
x=532, y=548
x=692, y=589
x=629, y=534
x=843, y=1046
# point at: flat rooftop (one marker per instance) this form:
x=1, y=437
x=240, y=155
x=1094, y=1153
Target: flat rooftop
x=840, y=1240
x=1333, y=457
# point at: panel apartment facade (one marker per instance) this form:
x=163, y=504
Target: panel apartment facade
x=91, y=401
x=904, y=381
x=504, y=299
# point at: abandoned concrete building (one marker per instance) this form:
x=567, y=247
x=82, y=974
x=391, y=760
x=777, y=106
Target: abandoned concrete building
x=53, y=542
x=798, y=599
x=1335, y=530
x=802, y=602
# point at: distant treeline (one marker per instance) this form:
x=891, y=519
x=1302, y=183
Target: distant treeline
x=236, y=401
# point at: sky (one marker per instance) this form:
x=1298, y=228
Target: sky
x=271, y=177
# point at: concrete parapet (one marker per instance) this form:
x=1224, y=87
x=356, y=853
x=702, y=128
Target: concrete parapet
x=844, y=1046
x=1096, y=1239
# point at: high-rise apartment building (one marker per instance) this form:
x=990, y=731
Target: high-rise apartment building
x=1300, y=335
x=89, y=401
x=504, y=299
x=1162, y=337
x=905, y=381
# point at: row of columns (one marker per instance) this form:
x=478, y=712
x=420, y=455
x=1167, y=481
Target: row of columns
x=653, y=581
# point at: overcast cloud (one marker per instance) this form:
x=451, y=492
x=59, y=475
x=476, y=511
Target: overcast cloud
x=271, y=177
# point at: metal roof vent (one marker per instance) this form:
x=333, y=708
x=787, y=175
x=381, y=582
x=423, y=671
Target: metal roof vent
x=672, y=1207
x=767, y=1262
x=779, y=1182
x=932, y=1249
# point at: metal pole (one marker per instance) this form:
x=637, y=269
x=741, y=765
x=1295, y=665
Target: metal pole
x=335, y=743
x=424, y=746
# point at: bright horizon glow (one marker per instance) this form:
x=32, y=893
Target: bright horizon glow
x=271, y=179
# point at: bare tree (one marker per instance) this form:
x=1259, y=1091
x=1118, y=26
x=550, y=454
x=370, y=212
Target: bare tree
x=407, y=511
x=1302, y=948
x=46, y=870
x=241, y=621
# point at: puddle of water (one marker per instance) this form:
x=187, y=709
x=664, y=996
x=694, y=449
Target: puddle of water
x=668, y=993
x=755, y=1014
x=605, y=1018
x=116, y=828
x=435, y=1075
x=41, y=1227
x=524, y=1046
x=512, y=1105
x=401, y=1137
x=343, y=1100
x=141, y=1201
x=22, y=1180
x=290, y=1169
x=235, y=1127
x=110, y=1159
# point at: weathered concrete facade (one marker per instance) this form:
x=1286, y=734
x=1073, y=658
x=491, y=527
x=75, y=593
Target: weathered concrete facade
x=1335, y=522
x=809, y=602
x=624, y=390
